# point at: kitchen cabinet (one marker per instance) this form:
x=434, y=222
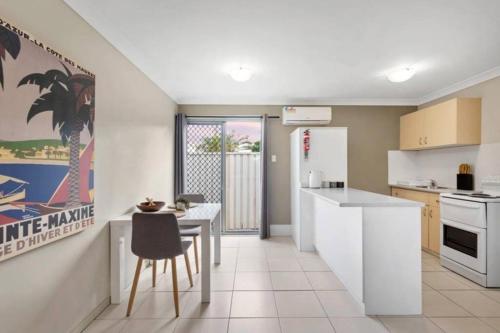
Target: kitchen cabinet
x=425, y=227
x=434, y=229
x=430, y=223
x=456, y=122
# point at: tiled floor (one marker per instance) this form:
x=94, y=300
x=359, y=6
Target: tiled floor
x=270, y=287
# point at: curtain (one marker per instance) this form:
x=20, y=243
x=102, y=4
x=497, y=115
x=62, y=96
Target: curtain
x=180, y=144
x=264, y=223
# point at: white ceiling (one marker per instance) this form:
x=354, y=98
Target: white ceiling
x=302, y=51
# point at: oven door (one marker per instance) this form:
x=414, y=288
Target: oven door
x=464, y=244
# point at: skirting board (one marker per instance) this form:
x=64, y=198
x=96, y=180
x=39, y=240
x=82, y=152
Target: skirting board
x=93, y=315
x=281, y=229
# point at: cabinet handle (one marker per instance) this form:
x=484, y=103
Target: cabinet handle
x=425, y=140
x=420, y=141
x=425, y=210
x=430, y=213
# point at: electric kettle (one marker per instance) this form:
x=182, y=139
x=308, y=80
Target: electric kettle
x=315, y=179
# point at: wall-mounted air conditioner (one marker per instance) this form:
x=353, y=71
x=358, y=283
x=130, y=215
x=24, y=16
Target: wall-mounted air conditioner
x=306, y=115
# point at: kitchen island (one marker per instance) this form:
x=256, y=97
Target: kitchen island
x=371, y=242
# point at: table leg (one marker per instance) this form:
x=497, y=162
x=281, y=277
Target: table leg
x=217, y=233
x=205, y=262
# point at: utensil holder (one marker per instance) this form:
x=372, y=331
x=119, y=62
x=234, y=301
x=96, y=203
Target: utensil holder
x=465, y=181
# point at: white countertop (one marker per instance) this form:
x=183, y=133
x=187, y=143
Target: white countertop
x=350, y=197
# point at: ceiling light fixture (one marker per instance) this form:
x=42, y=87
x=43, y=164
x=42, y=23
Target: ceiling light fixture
x=241, y=74
x=401, y=75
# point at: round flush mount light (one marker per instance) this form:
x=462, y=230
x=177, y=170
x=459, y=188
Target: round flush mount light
x=401, y=75
x=241, y=74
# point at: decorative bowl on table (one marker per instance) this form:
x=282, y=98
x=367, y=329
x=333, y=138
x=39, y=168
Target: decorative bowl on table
x=151, y=206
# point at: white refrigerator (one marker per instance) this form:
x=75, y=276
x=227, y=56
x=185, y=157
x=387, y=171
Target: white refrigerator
x=327, y=154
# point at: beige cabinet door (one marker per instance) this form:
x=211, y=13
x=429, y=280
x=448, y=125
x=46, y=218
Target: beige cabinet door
x=411, y=126
x=440, y=124
x=425, y=227
x=434, y=229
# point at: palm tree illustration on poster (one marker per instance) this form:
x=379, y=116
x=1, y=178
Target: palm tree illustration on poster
x=47, y=112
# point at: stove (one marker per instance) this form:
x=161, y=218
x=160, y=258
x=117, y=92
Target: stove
x=478, y=195
x=470, y=233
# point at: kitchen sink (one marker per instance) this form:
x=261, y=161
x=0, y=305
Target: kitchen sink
x=433, y=187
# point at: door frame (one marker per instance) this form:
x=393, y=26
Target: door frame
x=221, y=120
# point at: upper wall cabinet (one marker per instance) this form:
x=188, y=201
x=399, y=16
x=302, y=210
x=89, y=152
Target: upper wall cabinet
x=456, y=122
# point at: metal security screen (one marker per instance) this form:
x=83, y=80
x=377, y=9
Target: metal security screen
x=205, y=160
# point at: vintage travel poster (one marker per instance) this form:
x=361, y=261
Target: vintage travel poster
x=47, y=111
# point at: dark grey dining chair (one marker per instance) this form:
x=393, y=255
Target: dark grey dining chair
x=156, y=236
x=190, y=231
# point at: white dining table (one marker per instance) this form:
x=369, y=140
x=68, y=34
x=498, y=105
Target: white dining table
x=206, y=215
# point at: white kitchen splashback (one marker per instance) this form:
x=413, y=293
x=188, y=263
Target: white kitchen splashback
x=442, y=164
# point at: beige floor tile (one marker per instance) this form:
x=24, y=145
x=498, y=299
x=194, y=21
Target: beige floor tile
x=493, y=294
x=284, y=265
x=222, y=281
x=436, y=305
x=253, y=304
x=150, y=326
x=475, y=302
x=281, y=240
x=201, y=326
x=493, y=322
x=219, y=306
x=306, y=325
x=462, y=325
x=358, y=325
x=426, y=287
x=227, y=254
x=251, y=242
x=146, y=279
x=254, y=325
x=467, y=282
x=160, y=305
x=165, y=283
x=228, y=241
x=430, y=265
x=313, y=265
x=281, y=253
x=253, y=281
x=426, y=255
x=252, y=253
x=409, y=325
x=443, y=281
x=307, y=254
x=339, y=304
x=290, y=281
x=224, y=267
x=106, y=326
x=298, y=304
x=284, y=242
x=324, y=281
x=119, y=311
x=252, y=265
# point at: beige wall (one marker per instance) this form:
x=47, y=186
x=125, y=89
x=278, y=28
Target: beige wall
x=373, y=130
x=53, y=288
x=489, y=91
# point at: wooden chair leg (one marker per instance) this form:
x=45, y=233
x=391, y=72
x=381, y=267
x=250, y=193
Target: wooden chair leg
x=134, y=286
x=196, y=260
x=176, y=288
x=165, y=266
x=154, y=273
x=188, y=267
